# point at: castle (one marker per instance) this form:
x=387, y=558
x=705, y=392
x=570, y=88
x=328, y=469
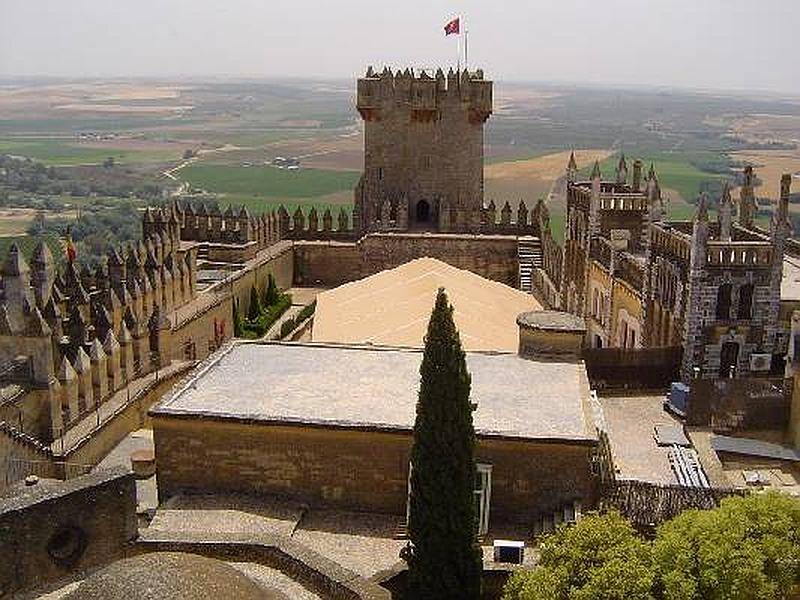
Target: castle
x=707, y=294
x=641, y=281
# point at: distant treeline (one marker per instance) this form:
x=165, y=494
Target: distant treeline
x=96, y=230
x=29, y=176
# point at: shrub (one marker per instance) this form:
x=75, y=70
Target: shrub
x=747, y=548
x=306, y=311
x=599, y=557
x=287, y=327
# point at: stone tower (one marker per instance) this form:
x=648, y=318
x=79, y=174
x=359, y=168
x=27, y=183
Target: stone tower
x=423, y=150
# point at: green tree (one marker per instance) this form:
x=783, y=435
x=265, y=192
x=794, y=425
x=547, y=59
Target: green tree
x=444, y=559
x=598, y=558
x=238, y=325
x=254, y=310
x=748, y=548
x=271, y=292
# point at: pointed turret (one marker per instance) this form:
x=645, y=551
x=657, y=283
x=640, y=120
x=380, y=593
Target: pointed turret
x=781, y=224
x=701, y=214
x=36, y=326
x=42, y=272
x=622, y=170
x=747, y=199
x=596, y=174
x=725, y=214
x=572, y=168
x=637, y=175
x=16, y=285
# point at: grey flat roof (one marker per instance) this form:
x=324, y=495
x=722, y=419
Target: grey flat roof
x=750, y=447
x=361, y=387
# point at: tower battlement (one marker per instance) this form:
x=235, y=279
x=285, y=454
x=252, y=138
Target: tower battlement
x=423, y=149
x=424, y=93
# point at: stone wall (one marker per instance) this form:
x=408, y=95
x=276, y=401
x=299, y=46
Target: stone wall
x=20, y=455
x=326, y=263
x=354, y=469
x=729, y=405
x=202, y=332
x=55, y=528
x=131, y=416
x=334, y=263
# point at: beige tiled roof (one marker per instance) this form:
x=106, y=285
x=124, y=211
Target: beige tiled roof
x=392, y=308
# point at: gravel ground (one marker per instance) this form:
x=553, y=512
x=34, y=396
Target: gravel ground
x=363, y=543
x=226, y=514
x=273, y=579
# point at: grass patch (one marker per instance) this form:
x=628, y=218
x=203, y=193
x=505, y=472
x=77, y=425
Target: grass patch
x=59, y=152
x=269, y=182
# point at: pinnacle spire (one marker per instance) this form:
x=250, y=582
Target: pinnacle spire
x=596, y=170
x=702, y=208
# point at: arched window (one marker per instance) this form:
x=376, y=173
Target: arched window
x=724, y=302
x=745, y=308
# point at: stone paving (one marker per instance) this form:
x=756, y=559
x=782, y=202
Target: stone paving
x=363, y=543
x=238, y=514
x=630, y=423
x=272, y=579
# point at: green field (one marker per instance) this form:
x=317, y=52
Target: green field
x=259, y=204
x=268, y=182
x=61, y=152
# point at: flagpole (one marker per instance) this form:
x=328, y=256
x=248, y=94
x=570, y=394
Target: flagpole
x=458, y=50
x=466, y=48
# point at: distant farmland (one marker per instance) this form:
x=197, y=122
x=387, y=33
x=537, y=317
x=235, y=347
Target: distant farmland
x=60, y=152
x=269, y=182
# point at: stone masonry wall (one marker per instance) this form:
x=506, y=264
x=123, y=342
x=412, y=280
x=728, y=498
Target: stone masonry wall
x=353, y=469
x=56, y=528
x=334, y=263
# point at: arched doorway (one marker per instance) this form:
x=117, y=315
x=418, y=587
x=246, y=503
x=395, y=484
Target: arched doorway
x=729, y=355
x=423, y=211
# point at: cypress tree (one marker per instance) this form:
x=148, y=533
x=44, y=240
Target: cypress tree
x=271, y=293
x=238, y=326
x=254, y=310
x=444, y=559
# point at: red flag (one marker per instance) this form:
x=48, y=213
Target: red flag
x=453, y=26
x=69, y=248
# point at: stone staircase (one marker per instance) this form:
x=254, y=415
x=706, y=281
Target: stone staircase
x=529, y=257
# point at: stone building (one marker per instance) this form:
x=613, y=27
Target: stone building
x=423, y=150
x=331, y=426
x=641, y=281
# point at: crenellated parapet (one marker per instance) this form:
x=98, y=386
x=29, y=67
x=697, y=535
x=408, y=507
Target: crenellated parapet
x=426, y=93
x=517, y=221
x=85, y=331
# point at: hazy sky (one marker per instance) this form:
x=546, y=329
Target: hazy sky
x=741, y=44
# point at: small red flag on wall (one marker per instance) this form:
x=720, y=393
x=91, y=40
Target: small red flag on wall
x=453, y=26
